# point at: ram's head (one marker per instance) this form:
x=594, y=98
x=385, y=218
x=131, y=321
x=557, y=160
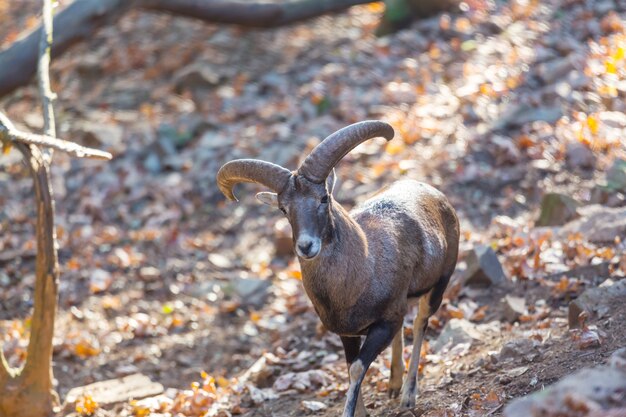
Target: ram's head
x=305, y=195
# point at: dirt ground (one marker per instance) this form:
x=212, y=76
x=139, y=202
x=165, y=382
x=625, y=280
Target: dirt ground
x=156, y=267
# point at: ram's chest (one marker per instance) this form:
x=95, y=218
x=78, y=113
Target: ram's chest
x=341, y=306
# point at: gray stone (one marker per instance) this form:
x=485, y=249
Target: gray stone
x=252, y=292
x=513, y=308
x=456, y=331
x=596, y=301
x=599, y=224
x=616, y=176
x=519, y=115
x=557, y=209
x=483, y=267
x=519, y=350
x=601, y=387
x=117, y=390
x=578, y=155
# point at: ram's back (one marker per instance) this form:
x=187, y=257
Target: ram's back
x=411, y=224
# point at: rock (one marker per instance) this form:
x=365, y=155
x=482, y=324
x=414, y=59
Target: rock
x=557, y=209
x=152, y=163
x=616, y=176
x=519, y=115
x=252, y=292
x=525, y=349
x=578, y=155
x=117, y=390
x=596, y=390
x=212, y=140
x=99, y=280
x=149, y=273
x=599, y=224
x=455, y=332
x=483, y=267
x=596, y=301
x=196, y=77
x=587, y=272
x=283, y=242
x=261, y=373
x=220, y=261
x=302, y=381
x=513, y=308
x=551, y=71
x=313, y=405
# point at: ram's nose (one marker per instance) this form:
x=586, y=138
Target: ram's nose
x=308, y=247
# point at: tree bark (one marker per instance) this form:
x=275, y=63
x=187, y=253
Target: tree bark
x=82, y=18
x=30, y=393
x=245, y=13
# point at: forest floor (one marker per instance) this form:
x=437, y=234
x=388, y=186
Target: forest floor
x=496, y=106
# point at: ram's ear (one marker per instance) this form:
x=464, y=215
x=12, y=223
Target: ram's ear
x=330, y=181
x=271, y=199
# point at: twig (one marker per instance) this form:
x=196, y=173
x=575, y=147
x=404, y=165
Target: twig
x=43, y=74
x=9, y=133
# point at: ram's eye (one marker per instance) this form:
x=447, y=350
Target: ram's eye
x=283, y=210
x=324, y=199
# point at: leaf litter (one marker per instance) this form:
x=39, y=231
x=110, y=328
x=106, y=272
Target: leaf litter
x=495, y=105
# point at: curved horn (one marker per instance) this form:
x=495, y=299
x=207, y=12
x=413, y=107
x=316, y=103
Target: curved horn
x=317, y=166
x=270, y=175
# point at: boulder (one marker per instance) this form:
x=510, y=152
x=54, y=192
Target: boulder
x=455, y=332
x=483, y=267
x=519, y=350
x=577, y=155
x=513, y=308
x=557, y=209
x=599, y=391
x=596, y=301
x=616, y=176
x=599, y=224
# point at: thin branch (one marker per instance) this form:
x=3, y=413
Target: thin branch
x=43, y=73
x=9, y=133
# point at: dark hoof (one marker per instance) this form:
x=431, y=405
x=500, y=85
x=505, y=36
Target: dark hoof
x=394, y=392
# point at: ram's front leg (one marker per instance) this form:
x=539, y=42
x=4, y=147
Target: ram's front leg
x=379, y=336
x=351, y=347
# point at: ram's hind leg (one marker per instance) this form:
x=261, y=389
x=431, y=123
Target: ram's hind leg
x=428, y=305
x=409, y=389
x=397, y=365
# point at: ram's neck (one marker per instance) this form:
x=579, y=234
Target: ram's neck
x=342, y=270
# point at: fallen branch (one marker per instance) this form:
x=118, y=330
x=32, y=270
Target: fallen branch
x=8, y=134
x=82, y=19
x=245, y=13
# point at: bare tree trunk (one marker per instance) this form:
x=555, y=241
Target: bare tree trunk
x=30, y=393
x=400, y=13
x=82, y=18
x=33, y=392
